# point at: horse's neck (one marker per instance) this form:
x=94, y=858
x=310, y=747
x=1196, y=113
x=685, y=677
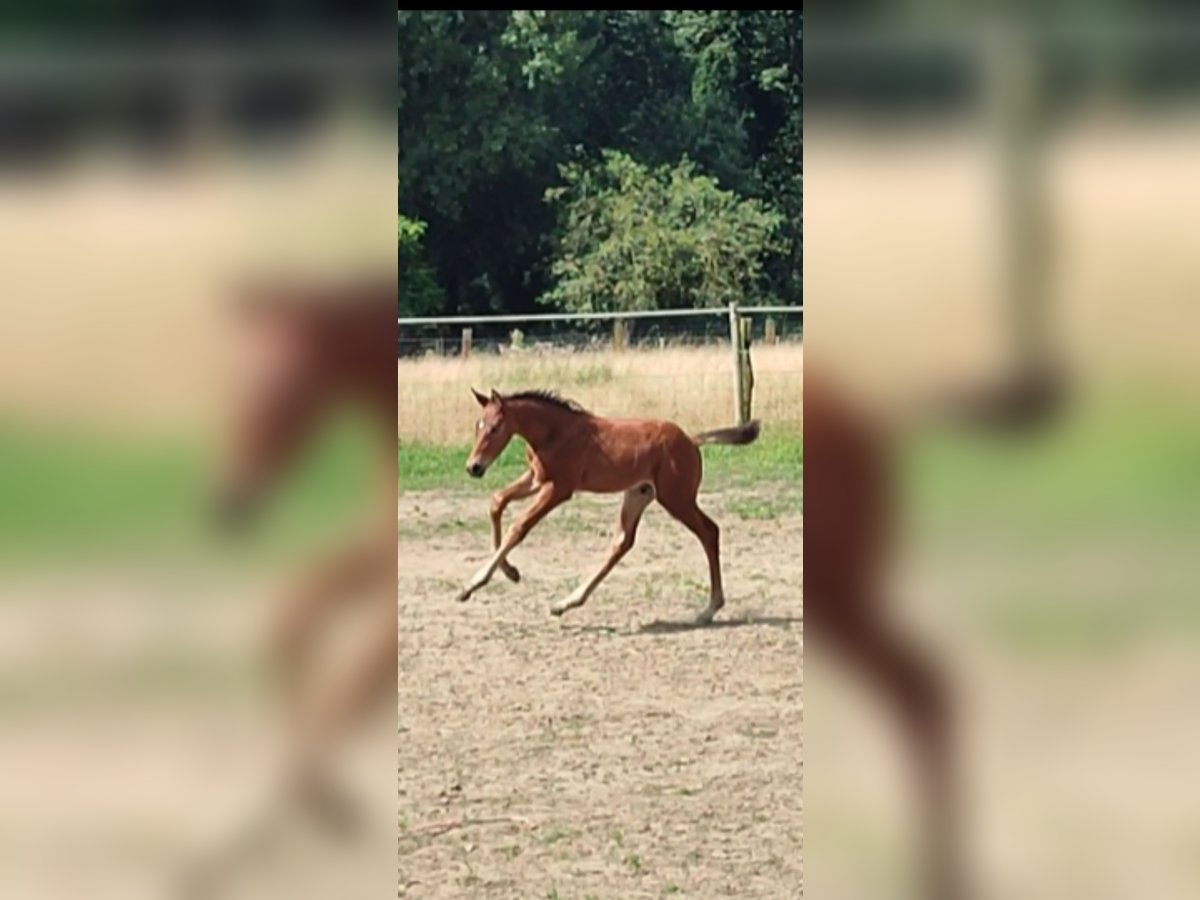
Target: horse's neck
x=539, y=424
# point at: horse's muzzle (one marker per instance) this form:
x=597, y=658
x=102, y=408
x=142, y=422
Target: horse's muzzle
x=476, y=469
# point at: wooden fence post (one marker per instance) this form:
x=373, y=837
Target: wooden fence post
x=769, y=332
x=1016, y=78
x=466, y=342
x=620, y=335
x=739, y=372
x=747, y=397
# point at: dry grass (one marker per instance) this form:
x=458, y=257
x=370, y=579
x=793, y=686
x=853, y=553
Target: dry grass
x=117, y=278
x=690, y=385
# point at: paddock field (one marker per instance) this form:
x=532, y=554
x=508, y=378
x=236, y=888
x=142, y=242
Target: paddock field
x=617, y=752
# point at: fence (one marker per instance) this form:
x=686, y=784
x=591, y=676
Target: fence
x=700, y=367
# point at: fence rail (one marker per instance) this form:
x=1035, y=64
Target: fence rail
x=732, y=327
x=598, y=316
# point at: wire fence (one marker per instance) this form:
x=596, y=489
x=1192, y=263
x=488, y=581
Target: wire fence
x=681, y=365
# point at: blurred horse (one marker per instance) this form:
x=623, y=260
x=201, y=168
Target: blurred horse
x=315, y=351
x=849, y=510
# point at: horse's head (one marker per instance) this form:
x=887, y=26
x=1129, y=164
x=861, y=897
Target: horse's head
x=493, y=431
x=276, y=407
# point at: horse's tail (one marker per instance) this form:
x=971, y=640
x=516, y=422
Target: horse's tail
x=1030, y=399
x=737, y=434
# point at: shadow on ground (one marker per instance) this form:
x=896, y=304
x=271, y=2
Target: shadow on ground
x=671, y=626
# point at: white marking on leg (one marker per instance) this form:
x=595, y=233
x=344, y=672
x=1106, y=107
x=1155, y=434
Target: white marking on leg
x=485, y=573
x=546, y=500
x=635, y=503
x=577, y=597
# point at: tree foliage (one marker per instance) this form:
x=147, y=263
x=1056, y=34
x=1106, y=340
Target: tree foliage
x=418, y=287
x=634, y=237
x=498, y=107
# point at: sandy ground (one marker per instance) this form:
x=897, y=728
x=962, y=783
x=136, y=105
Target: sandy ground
x=615, y=753
x=605, y=755
x=138, y=731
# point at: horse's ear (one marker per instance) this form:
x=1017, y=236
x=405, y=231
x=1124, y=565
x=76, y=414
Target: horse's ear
x=496, y=398
x=479, y=398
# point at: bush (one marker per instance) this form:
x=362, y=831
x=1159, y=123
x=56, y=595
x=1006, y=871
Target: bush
x=632, y=237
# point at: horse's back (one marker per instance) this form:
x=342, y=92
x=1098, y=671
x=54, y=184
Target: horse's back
x=640, y=435
x=638, y=451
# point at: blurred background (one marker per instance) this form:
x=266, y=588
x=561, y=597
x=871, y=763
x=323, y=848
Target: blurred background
x=154, y=159
x=983, y=191
x=976, y=188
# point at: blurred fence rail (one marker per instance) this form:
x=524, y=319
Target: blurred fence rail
x=700, y=367
x=947, y=64
x=228, y=58
x=166, y=97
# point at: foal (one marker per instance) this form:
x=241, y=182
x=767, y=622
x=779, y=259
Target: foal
x=570, y=450
x=316, y=350
x=850, y=504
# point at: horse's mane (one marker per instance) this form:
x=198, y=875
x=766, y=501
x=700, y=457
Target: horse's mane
x=550, y=397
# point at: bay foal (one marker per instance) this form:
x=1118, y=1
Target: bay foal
x=569, y=450
x=319, y=351
x=316, y=351
x=850, y=498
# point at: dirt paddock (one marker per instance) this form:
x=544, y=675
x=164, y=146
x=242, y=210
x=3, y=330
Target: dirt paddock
x=619, y=752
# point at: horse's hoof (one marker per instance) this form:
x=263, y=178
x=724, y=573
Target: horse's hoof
x=333, y=809
x=463, y=596
x=512, y=573
x=557, y=610
x=706, y=617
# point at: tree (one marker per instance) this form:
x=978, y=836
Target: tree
x=633, y=237
x=493, y=103
x=475, y=150
x=418, y=287
x=751, y=61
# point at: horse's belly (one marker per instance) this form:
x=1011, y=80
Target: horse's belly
x=610, y=479
x=609, y=484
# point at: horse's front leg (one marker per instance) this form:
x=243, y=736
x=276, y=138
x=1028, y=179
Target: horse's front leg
x=518, y=490
x=547, y=498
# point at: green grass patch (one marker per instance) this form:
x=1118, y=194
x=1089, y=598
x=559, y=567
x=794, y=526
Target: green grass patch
x=423, y=467
x=767, y=508
x=1132, y=467
x=775, y=457
x=1084, y=535
x=555, y=835
x=82, y=496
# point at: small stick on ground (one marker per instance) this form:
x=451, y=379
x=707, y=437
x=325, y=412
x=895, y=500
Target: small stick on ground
x=436, y=828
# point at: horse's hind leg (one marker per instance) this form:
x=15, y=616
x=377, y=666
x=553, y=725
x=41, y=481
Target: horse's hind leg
x=910, y=684
x=518, y=490
x=635, y=503
x=299, y=620
x=681, y=504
